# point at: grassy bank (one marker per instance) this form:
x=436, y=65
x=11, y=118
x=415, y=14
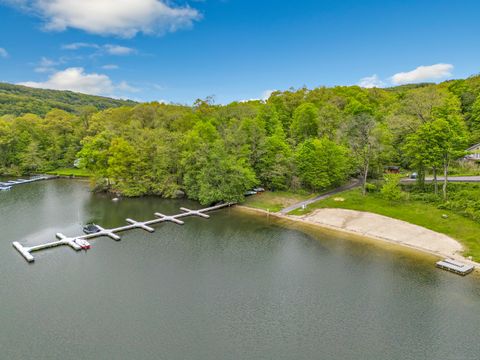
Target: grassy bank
x=423, y=214
x=70, y=172
x=275, y=201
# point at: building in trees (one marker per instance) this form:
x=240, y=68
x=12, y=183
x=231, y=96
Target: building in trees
x=474, y=153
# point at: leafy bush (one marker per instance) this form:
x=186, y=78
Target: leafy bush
x=391, y=189
x=464, y=199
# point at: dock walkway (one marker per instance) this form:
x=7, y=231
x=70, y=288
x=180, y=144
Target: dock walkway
x=79, y=242
x=11, y=183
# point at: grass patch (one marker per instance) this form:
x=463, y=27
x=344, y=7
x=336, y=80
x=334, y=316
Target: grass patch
x=275, y=201
x=70, y=172
x=465, y=230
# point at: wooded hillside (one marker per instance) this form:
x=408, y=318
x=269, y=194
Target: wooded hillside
x=297, y=139
x=18, y=100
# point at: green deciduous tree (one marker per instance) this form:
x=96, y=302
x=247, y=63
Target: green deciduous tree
x=321, y=163
x=305, y=122
x=210, y=173
x=370, y=143
x=391, y=187
x=275, y=167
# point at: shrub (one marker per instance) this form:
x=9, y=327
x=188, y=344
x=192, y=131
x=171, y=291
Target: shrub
x=391, y=187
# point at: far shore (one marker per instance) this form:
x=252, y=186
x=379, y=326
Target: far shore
x=379, y=228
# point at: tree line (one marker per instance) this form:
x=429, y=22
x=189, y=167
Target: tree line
x=297, y=139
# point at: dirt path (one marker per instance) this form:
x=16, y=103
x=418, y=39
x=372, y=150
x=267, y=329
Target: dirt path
x=350, y=185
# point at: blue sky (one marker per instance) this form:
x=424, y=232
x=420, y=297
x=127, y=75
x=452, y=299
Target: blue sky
x=179, y=51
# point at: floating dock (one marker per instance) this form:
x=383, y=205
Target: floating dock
x=80, y=242
x=11, y=183
x=455, y=267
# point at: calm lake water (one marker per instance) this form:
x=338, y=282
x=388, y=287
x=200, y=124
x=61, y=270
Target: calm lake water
x=232, y=287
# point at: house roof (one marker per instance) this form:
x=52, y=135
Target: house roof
x=474, y=147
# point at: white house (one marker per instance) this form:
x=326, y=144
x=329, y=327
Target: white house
x=474, y=153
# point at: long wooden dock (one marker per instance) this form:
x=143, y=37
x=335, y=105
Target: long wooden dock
x=11, y=183
x=79, y=242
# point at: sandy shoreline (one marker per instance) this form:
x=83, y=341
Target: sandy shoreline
x=380, y=228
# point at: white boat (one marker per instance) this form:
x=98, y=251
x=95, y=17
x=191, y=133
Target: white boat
x=5, y=188
x=84, y=244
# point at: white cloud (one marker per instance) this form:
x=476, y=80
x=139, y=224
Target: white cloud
x=124, y=18
x=110, y=67
x=46, y=65
x=159, y=87
x=3, y=53
x=110, y=49
x=423, y=73
x=124, y=86
x=76, y=79
x=266, y=94
x=118, y=50
x=371, y=82
x=263, y=97
x=79, y=45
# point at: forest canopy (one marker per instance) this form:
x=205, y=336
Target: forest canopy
x=297, y=139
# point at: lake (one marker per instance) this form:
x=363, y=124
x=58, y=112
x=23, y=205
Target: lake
x=235, y=286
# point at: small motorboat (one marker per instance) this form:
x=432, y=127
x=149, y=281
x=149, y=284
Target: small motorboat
x=84, y=244
x=91, y=229
x=5, y=188
x=259, y=189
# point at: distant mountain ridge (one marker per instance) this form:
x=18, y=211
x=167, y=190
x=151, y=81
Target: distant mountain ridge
x=18, y=100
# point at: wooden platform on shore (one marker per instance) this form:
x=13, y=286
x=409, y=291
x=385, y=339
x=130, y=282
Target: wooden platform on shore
x=455, y=267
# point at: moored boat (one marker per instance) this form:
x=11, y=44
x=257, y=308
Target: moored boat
x=91, y=229
x=84, y=244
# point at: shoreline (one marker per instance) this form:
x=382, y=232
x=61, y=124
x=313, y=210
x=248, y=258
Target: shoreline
x=362, y=231
x=366, y=236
